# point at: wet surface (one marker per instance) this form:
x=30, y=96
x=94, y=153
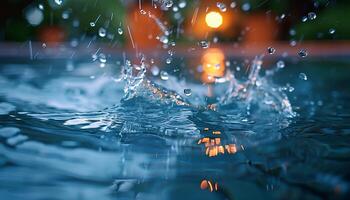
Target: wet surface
x=66, y=131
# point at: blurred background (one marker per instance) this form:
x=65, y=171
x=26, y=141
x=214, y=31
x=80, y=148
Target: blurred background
x=209, y=31
x=239, y=21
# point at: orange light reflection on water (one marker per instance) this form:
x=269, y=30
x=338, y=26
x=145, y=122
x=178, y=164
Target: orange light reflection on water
x=214, y=147
x=213, y=63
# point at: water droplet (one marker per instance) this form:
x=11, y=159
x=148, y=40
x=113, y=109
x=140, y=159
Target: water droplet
x=280, y=64
x=120, y=31
x=282, y=16
x=303, y=76
x=271, y=50
x=102, y=58
x=143, y=12
x=303, y=53
x=155, y=71
x=290, y=89
x=41, y=7
x=311, y=15
x=43, y=45
x=76, y=23
x=221, y=6
x=204, y=44
x=293, y=43
x=59, y=2
x=34, y=16
x=163, y=39
x=331, y=30
x=182, y=4
x=175, y=9
x=94, y=57
x=168, y=61
x=233, y=4
x=74, y=43
x=65, y=14
x=304, y=19
x=292, y=32
x=188, y=92
x=164, y=75
x=170, y=52
x=168, y=3
x=92, y=24
x=246, y=7
x=102, y=32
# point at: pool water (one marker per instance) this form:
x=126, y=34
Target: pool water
x=67, y=133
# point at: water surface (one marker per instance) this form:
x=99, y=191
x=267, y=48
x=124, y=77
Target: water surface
x=66, y=134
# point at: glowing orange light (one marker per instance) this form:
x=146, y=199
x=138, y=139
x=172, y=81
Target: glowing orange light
x=204, y=184
x=213, y=64
x=214, y=19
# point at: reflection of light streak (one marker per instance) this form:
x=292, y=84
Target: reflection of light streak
x=213, y=147
x=204, y=185
x=213, y=65
x=214, y=19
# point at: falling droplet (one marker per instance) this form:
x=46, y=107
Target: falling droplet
x=155, y=71
x=143, y=12
x=188, y=92
x=221, y=6
x=311, y=15
x=303, y=53
x=233, y=4
x=280, y=64
x=304, y=19
x=303, y=76
x=102, y=32
x=167, y=3
x=204, y=44
x=293, y=43
x=41, y=7
x=271, y=50
x=168, y=61
x=331, y=30
x=246, y=7
x=164, y=75
x=65, y=14
x=120, y=31
x=92, y=24
x=94, y=57
x=290, y=89
x=182, y=4
x=76, y=23
x=292, y=32
x=59, y=2
x=283, y=16
x=163, y=39
x=102, y=58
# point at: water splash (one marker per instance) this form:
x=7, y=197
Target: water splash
x=257, y=90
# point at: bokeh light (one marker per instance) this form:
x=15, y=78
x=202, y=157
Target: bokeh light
x=214, y=19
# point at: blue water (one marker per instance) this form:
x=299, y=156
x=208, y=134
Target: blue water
x=65, y=133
